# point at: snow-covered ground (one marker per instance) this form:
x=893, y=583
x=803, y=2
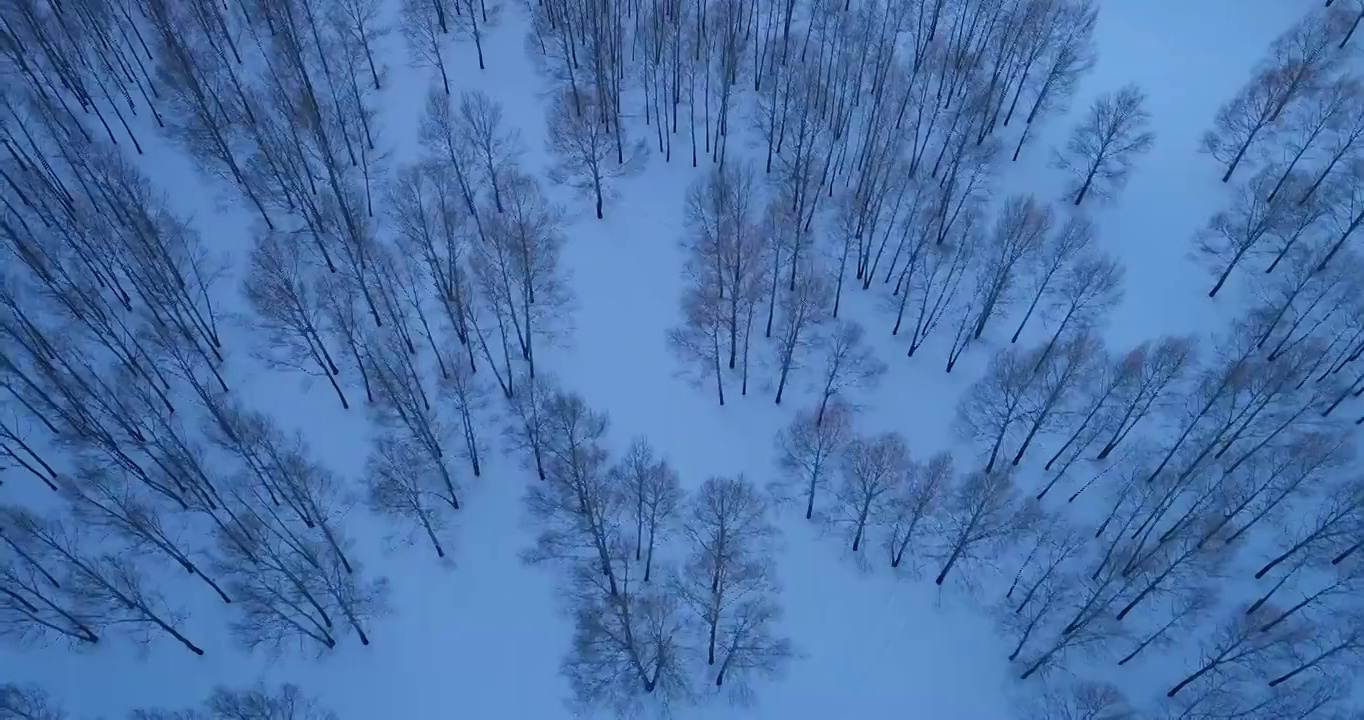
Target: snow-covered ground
x=481, y=635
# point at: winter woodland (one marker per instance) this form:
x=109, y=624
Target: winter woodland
x=639, y=358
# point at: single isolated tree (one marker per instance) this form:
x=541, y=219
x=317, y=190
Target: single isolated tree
x=1102, y=150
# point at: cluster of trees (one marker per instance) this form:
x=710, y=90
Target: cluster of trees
x=918, y=511
x=413, y=284
x=1297, y=127
x=1210, y=470
x=284, y=702
x=661, y=587
x=879, y=162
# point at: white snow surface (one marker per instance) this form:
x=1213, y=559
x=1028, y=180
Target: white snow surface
x=482, y=635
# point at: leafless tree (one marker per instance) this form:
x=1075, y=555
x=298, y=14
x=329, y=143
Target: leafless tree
x=582, y=510
x=424, y=31
x=1344, y=140
x=983, y=514
x=496, y=146
x=1019, y=235
x=33, y=606
x=728, y=580
x=872, y=470
x=360, y=24
x=527, y=422
x=582, y=144
x=1057, y=254
x=993, y=407
x=1240, y=649
x=1346, y=212
x=472, y=18
x=1162, y=369
x=652, y=496
x=1233, y=233
x=105, y=591
x=433, y=226
x=933, y=279
x=1085, y=292
x=1062, y=377
x=262, y=702
x=1328, y=528
x=402, y=403
x=1299, y=61
x=847, y=364
x=629, y=644
x=281, y=286
x=28, y=702
x=403, y=485
x=1082, y=700
x=725, y=270
x=913, y=510
x=1104, y=147
x=698, y=340
x=102, y=500
x=802, y=310
x=807, y=447
x=1320, y=116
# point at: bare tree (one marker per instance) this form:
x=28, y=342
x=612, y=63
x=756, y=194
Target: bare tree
x=651, y=495
x=424, y=31
x=807, y=447
x=1104, y=147
x=28, y=702
x=698, y=339
x=104, y=591
x=848, y=363
x=1299, y=61
x=1233, y=233
x=495, y=145
x=803, y=308
x=583, y=511
x=1019, y=235
x=916, y=499
x=993, y=407
x=403, y=485
x=582, y=143
x=873, y=469
x=629, y=644
x=1057, y=254
x=282, y=286
x=728, y=580
x=1082, y=701
x=1085, y=292
x=982, y=516
x=262, y=702
x=471, y=19
x=1240, y=649
x=100, y=499
x=1061, y=378
x=1162, y=369
x=402, y=403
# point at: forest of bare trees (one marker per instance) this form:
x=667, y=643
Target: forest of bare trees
x=1188, y=504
